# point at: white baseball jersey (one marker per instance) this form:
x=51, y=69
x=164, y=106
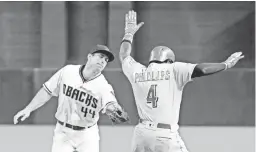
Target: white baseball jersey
x=79, y=101
x=158, y=88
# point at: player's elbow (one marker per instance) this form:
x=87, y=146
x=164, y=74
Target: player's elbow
x=125, y=50
x=202, y=71
x=205, y=69
x=122, y=56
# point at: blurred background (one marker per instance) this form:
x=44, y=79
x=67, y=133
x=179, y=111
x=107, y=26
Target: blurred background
x=37, y=38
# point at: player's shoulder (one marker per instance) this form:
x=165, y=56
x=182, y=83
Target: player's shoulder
x=71, y=67
x=180, y=64
x=130, y=60
x=101, y=79
x=104, y=82
x=183, y=63
x=183, y=66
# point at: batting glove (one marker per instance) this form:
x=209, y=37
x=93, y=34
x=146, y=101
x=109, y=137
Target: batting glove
x=233, y=59
x=131, y=26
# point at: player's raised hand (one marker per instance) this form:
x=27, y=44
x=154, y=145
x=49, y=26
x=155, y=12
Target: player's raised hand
x=233, y=59
x=22, y=115
x=131, y=26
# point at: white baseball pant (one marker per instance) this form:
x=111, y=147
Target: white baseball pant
x=69, y=140
x=147, y=137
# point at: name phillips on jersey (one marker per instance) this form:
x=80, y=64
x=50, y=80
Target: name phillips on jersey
x=151, y=76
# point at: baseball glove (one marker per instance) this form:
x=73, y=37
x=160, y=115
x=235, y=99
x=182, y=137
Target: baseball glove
x=116, y=113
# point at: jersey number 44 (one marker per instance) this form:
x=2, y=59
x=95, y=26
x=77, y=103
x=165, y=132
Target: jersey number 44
x=86, y=112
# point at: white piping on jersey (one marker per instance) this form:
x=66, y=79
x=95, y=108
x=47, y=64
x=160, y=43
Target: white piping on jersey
x=47, y=89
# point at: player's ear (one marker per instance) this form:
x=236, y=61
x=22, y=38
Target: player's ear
x=89, y=56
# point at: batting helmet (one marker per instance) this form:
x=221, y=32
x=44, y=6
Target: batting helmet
x=105, y=50
x=161, y=53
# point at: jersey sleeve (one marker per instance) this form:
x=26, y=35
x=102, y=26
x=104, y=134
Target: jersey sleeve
x=183, y=72
x=108, y=97
x=129, y=66
x=52, y=85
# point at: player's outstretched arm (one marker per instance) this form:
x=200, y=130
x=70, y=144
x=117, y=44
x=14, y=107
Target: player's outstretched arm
x=40, y=99
x=205, y=69
x=131, y=27
x=116, y=113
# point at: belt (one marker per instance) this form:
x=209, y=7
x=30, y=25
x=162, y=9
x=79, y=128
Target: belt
x=71, y=126
x=158, y=125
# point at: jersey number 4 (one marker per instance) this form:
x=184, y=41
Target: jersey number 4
x=152, y=98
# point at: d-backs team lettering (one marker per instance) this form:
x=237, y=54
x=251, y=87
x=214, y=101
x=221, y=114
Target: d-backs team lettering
x=88, y=100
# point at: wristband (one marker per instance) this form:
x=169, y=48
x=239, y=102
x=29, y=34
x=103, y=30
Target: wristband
x=226, y=65
x=124, y=40
x=128, y=36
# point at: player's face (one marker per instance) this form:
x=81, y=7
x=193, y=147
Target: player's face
x=98, y=60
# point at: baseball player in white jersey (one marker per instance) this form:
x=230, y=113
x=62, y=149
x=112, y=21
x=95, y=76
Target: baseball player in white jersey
x=158, y=91
x=83, y=92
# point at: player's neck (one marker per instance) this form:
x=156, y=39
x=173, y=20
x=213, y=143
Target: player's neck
x=90, y=72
